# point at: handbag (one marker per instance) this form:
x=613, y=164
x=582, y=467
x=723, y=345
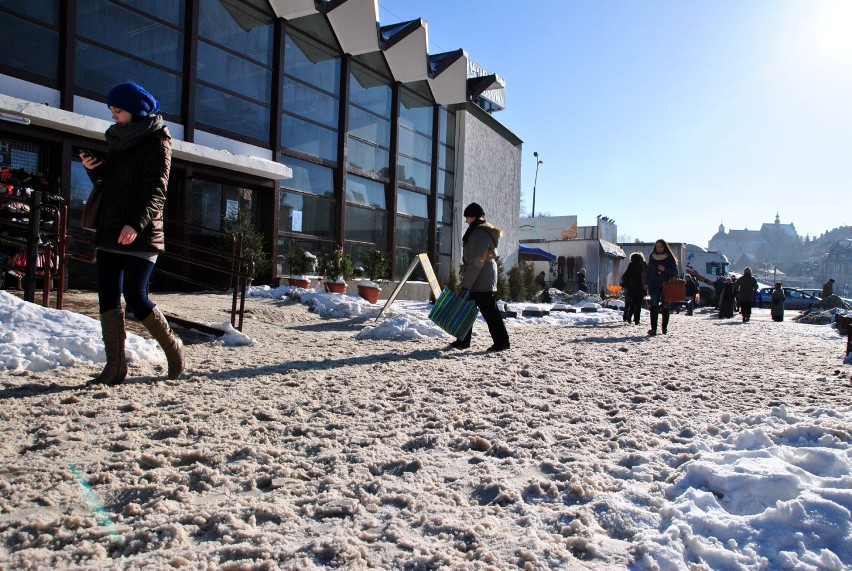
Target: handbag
x=453, y=313
x=91, y=214
x=674, y=291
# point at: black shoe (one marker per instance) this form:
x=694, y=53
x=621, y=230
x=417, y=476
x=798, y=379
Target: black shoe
x=498, y=347
x=652, y=332
x=459, y=344
x=665, y=330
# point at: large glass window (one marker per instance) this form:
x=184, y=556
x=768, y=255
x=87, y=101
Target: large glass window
x=411, y=203
x=35, y=25
x=234, y=90
x=131, y=41
x=412, y=233
x=369, y=125
x=365, y=192
x=415, y=140
x=308, y=138
x=309, y=177
x=365, y=225
x=446, y=152
x=305, y=214
x=311, y=103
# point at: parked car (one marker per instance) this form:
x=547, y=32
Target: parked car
x=795, y=298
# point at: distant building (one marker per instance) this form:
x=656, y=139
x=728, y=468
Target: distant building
x=837, y=264
x=753, y=244
x=592, y=248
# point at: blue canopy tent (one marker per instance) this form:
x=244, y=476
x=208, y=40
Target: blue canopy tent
x=535, y=254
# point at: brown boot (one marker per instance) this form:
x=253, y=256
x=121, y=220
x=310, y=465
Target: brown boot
x=159, y=328
x=112, y=329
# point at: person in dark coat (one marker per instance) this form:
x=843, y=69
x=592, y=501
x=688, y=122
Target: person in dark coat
x=581, y=281
x=129, y=237
x=746, y=288
x=828, y=288
x=726, y=299
x=479, y=275
x=662, y=266
x=633, y=282
x=776, y=305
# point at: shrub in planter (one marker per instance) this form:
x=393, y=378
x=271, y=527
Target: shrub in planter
x=301, y=263
x=376, y=265
x=337, y=268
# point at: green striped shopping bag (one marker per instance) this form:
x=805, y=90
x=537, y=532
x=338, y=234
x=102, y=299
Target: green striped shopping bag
x=453, y=313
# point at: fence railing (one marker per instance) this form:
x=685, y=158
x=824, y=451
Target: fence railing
x=38, y=234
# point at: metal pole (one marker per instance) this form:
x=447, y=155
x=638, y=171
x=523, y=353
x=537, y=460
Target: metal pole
x=535, y=182
x=32, y=247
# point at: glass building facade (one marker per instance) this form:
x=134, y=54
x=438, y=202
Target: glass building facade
x=372, y=157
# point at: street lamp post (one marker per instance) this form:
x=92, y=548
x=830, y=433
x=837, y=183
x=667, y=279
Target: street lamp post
x=537, y=163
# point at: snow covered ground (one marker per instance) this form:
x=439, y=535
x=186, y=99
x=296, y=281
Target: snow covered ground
x=322, y=437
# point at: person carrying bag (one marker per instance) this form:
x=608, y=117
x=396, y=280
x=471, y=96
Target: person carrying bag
x=479, y=276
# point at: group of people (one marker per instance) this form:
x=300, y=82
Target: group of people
x=643, y=277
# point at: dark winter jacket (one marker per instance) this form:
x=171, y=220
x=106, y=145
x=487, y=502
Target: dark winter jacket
x=479, y=257
x=135, y=182
x=655, y=277
x=691, y=287
x=633, y=280
x=746, y=285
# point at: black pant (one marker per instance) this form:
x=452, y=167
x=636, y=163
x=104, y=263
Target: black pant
x=745, y=306
x=124, y=274
x=487, y=305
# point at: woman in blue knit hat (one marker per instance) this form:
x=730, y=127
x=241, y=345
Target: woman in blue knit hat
x=129, y=236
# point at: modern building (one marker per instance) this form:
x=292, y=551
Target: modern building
x=325, y=126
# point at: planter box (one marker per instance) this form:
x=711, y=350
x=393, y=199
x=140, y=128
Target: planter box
x=508, y=314
x=369, y=293
x=302, y=283
x=335, y=287
x=842, y=323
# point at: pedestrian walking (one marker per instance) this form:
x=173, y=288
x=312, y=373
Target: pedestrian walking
x=134, y=177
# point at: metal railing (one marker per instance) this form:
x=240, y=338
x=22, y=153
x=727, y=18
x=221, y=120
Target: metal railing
x=228, y=263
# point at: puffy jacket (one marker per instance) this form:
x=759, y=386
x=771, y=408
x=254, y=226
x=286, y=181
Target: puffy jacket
x=135, y=182
x=479, y=255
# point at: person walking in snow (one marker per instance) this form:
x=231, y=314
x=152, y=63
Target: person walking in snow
x=828, y=288
x=776, y=305
x=662, y=266
x=479, y=275
x=633, y=282
x=129, y=236
x=747, y=286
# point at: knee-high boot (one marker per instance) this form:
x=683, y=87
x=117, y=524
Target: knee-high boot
x=157, y=325
x=666, y=313
x=112, y=330
x=655, y=312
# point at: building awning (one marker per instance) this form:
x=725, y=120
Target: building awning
x=611, y=250
x=28, y=112
x=538, y=254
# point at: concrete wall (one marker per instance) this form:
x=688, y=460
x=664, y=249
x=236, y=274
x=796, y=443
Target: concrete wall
x=489, y=173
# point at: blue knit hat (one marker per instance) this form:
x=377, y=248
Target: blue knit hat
x=133, y=98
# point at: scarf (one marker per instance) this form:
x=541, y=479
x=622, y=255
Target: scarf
x=121, y=136
x=471, y=227
x=659, y=257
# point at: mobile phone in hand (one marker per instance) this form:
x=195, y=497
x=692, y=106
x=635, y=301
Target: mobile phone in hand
x=87, y=153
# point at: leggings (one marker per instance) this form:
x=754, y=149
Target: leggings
x=122, y=273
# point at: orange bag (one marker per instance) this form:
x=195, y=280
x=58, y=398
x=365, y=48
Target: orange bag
x=674, y=291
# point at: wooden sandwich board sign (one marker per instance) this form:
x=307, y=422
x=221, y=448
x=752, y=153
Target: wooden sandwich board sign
x=423, y=260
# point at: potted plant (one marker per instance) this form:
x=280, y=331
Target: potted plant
x=337, y=268
x=302, y=262
x=376, y=267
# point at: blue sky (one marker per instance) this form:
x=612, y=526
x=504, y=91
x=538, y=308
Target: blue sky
x=670, y=117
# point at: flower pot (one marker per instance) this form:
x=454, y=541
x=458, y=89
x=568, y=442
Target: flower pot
x=299, y=282
x=370, y=293
x=335, y=287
